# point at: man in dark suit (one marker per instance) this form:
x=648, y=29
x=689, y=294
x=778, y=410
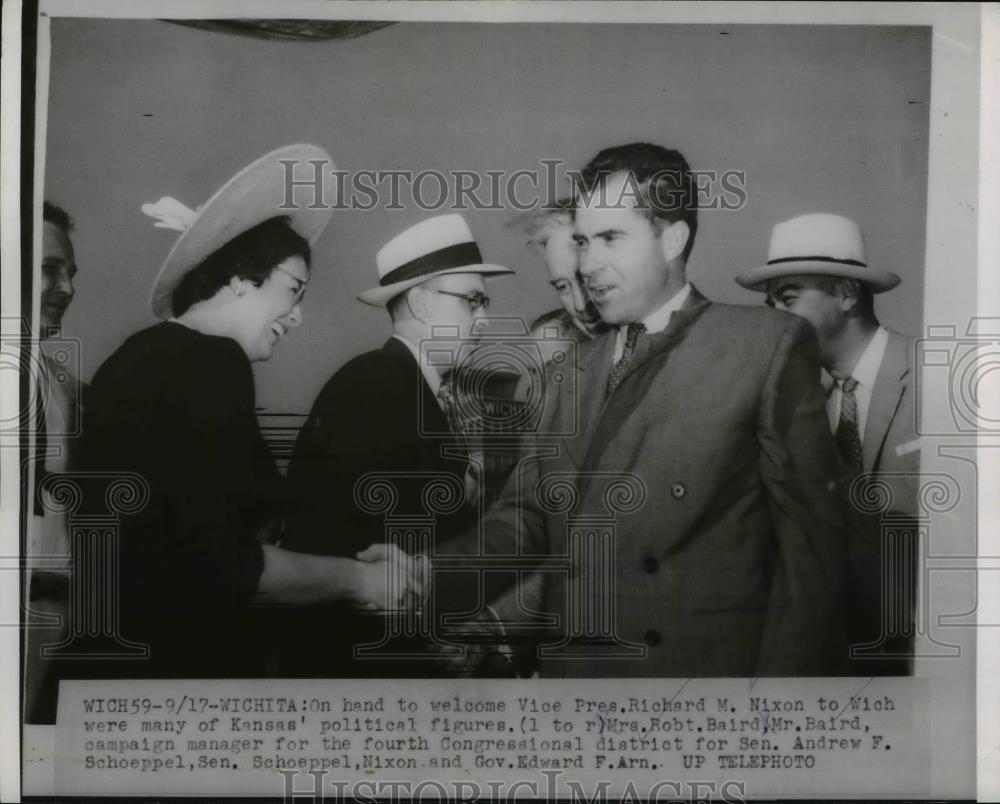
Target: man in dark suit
x=817, y=269
x=700, y=429
x=386, y=423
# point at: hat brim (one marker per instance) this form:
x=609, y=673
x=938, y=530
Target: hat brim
x=252, y=196
x=380, y=296
x=757, y=278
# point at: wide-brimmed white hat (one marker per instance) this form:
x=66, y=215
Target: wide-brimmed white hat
x=434, y=247
x=258, y=192
x=818, y=244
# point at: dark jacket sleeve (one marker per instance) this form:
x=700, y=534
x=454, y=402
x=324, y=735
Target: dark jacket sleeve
x=804, y=630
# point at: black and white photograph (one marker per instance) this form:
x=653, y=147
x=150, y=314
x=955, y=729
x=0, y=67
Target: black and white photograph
x=557, y=399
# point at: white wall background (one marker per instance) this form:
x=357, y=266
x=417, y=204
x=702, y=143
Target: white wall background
x=820, y=119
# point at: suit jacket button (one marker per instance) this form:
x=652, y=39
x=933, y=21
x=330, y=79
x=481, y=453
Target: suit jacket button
x=650, y=564
x=652, y=638
x=678, y=490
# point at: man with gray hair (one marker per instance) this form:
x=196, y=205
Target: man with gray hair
x=548, y=233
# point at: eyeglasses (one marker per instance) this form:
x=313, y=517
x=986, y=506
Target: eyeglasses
x=301, y=292
x=475, y=300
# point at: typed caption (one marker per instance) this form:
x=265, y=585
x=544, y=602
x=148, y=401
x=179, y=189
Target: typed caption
x=253, y=737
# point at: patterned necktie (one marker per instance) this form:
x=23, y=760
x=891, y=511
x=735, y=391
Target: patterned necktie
x=632, y=334
x=460, y=417
x=847, y=437
x=461, y=422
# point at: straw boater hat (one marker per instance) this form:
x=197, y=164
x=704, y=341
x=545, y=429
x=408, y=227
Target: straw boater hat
x=434, y=247
x=252, y=196
x=818, y=244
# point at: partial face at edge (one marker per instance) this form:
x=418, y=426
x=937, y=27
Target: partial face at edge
x=58, y=270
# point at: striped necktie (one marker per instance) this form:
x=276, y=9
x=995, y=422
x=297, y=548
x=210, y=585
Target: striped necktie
x=632, y=334
x=847, y=437
x=464, y=425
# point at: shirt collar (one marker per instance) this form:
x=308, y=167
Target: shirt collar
x=431, y=377
x=866, y=369
x=657, y=320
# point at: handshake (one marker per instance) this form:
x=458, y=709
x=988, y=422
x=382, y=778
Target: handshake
x=387, y=579
x=392, y=581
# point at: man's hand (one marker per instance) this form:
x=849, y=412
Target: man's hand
x=390, y=579
x=485, y=654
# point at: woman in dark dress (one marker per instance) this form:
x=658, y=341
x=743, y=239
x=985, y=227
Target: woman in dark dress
x=175, y=404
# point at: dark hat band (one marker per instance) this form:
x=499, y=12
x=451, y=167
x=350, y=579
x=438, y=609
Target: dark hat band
x=856, y=263
x=456, y=256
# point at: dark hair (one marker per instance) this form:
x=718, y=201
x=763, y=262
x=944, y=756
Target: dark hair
x=865, y=305
x=251, y=255
x=662, y=180
x=58, y=216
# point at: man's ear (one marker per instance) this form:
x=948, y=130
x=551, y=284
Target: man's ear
x=849, y=292
x=416, y=299
x=673, y=238
x=237, y=285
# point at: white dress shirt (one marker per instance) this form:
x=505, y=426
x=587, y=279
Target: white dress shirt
x=48, y=533
x=865, y=372
x=656, y=321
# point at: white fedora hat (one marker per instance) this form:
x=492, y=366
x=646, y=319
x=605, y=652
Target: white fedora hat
x=820, y=243
x=252, y=196
x=434, y=247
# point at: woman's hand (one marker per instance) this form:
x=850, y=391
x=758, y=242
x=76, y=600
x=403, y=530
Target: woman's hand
x=383, y=578
x=389, y=579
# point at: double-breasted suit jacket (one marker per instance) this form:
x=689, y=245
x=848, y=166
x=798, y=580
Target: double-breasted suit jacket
x=734, y=562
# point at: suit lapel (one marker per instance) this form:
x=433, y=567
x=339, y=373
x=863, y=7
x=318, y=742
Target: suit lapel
x=651, y=351
x=595, y=366
x=886, y=396
x=649, y=346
